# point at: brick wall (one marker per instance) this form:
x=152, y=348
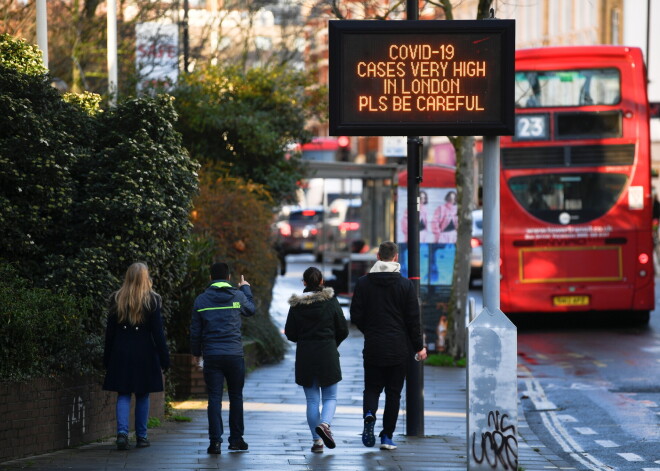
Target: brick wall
x=48, y=414
x=189, y=379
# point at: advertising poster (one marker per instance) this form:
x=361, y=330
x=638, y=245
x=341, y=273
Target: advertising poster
x=437, y=249
x=438, y=216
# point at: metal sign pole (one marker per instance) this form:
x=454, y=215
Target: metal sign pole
x=492, y=345
x=415, y=375
x=491, y=222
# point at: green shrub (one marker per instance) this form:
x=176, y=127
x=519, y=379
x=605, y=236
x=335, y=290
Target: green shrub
x=83, y=194
x=41, y=333
x=200, y=256
x=88, y=102
x=23, y=57
x=41, y=139
x=136, y=196
x=181, y=418
x=442, y=359
x=153, y=422
x=247, y=119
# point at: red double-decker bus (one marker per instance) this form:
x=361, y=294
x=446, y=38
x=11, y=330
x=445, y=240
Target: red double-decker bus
x=576, y=207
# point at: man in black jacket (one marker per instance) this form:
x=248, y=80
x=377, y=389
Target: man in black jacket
x=215, y=334
x=386, y=310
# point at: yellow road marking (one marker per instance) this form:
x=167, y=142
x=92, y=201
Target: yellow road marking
x=272, y=407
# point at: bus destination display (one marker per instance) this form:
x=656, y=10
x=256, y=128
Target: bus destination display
x=421, y=77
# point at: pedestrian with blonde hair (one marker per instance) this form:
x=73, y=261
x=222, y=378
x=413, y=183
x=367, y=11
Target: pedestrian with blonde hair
x=135, y=355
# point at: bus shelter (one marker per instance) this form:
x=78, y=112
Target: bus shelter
x=376, y=210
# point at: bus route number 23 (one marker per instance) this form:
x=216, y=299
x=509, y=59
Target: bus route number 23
x=531, y=126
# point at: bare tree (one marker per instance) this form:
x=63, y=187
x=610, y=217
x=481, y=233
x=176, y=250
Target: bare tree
x=77, y=36
x=18, y=18
x=367, y=9
x=257, y=32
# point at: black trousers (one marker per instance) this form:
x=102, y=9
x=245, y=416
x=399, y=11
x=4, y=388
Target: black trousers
x=217, y=368
x=390, y=378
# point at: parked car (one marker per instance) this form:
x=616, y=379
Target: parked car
x=477, y=256
x=342, y=228
x=297, y=230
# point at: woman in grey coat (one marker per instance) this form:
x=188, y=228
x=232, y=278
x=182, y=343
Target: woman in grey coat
x=317, y=324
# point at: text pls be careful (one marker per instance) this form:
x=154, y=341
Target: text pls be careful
x=420, y=78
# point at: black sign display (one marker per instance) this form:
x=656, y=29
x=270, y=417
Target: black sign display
x=407, y=78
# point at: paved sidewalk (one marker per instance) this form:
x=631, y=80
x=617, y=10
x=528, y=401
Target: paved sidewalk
x=278, y=436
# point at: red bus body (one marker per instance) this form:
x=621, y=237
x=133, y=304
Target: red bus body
x=576, y=203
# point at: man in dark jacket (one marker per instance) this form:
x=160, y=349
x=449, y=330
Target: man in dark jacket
x=215, y=334
x=386, y=310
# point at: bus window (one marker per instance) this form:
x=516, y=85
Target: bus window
x=557, y=88
x=306, y=215
x=583, y=125
x=319, y=155
x=584, y=196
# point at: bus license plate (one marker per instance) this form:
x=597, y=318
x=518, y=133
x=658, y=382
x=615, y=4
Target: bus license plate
x=308, y=245
x=570, y=300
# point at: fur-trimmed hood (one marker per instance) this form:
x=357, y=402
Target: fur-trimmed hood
x=311, y=297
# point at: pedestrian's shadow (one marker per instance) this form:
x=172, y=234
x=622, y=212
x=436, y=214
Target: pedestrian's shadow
x=320, y=459
x=374, y=458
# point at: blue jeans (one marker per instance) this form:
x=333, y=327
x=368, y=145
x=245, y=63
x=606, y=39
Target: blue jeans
x=217, y=368
x=123, y=410
x=313, y=394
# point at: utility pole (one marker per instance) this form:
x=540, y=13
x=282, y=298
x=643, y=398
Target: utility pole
x=42, y=30
x=415, y=376
x=112, y=52
x=186, y=38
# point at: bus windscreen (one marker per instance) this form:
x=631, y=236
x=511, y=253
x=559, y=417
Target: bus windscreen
x=557, y=88
x=568, y=198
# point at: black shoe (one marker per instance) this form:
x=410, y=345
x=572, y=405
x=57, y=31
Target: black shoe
x=214, y=448
x=238, y=445
x=142, y=442
x=122, y=442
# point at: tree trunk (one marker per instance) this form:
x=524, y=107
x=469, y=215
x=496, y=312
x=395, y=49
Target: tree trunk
x=464, y=147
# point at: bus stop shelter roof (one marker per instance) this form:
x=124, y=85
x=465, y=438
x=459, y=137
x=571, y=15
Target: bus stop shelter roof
x=319, y=169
